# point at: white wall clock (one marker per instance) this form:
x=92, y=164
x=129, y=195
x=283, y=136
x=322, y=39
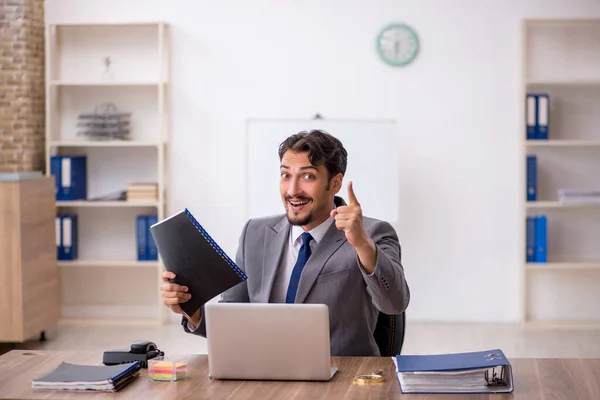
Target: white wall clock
x=397, y=44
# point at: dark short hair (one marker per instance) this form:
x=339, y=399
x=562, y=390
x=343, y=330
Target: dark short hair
x=322, y=148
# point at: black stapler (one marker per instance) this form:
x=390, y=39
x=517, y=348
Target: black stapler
x=140, y=350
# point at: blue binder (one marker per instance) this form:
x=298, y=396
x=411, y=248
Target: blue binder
x=482, y=372
x=530, y=116
x=541, y=238
x=151, y=249
x=141, y=227
x=59, y=248
x=531, y=178
x=70, y=174
x=530, y=237
x=543, y=116
x=69, y=242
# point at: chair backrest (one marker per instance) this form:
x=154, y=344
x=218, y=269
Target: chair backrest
x=389, y=333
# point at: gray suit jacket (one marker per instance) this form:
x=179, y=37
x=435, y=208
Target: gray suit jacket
x=332, y=275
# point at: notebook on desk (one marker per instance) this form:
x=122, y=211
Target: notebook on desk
x=198, y=262
x=475, y=372
x=96, y=378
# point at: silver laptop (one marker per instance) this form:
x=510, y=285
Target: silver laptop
x=268, y=341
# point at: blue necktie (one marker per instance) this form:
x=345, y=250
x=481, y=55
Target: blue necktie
x=303, y=255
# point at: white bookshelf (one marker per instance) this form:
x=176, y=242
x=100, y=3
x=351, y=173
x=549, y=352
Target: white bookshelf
x=106, y=283
x=562, y=58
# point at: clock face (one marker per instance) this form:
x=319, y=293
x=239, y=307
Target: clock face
x=397, y=44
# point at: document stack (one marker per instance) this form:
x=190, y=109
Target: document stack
x=579, y=195
x=477, y=372
x=93, y=378
x=142, y=192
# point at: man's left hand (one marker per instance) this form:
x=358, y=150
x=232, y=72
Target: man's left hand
x=349, y=219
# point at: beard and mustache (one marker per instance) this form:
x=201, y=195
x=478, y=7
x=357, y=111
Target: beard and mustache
x=299, y=221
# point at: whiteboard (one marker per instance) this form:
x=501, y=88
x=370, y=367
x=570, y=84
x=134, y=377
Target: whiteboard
x=372, y=163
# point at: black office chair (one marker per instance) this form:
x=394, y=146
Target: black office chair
x=389, y=333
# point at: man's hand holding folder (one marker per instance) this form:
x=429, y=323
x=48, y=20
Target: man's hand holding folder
x=174, y=294
x=195, y=265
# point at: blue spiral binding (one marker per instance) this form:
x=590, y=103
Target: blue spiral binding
x=215, y=245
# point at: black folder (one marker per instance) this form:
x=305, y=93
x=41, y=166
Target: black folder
x=198, y=262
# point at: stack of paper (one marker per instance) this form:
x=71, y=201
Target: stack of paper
x=477, y=372
x=579, y=195
x=88, y=377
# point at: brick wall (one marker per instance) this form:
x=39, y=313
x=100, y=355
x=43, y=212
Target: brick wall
x=22, y=93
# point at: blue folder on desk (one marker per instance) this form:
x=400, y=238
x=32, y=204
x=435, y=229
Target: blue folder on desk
x=475, y=372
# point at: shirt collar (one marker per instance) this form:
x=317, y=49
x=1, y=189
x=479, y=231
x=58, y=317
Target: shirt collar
x=317, y=232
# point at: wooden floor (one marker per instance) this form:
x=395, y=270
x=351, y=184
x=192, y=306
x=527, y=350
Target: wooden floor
x=421, y=338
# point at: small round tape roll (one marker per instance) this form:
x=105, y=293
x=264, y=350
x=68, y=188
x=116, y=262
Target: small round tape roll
x=367, y=379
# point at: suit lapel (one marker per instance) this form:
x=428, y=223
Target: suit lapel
x=275, y=243
x=332, y=241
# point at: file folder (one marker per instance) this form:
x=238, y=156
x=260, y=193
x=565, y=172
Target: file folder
x=198, y=262
x=530, y=256
x=59, y=249
x=473, y=372
x=70, y=174
x=541, y=238
x=531, y=116
x=531, y=178
x=543, y=115
x=68, y=249
x=151, y=250
x=141, y=227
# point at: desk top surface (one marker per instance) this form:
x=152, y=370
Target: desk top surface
x=534, y=379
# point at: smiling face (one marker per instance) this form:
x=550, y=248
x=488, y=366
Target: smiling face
x=306, y=191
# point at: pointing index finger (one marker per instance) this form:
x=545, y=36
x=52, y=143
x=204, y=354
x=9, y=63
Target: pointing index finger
x=351, y=196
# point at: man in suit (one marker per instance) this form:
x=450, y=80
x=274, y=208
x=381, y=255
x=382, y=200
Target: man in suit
x=321, y=250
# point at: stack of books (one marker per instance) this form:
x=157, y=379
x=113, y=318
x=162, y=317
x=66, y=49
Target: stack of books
x=142, y=192
x=579, y=195
x=95, y=378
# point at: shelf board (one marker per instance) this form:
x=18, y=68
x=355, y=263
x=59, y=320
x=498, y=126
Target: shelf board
x=568, y=82
x=559, y=204
x=561, y=324
x=108, y=263
x=565, y=266
x=103, y=143
x=108, y=24
x=109, y=321
x=563, y=143
x=111, y=203
x=108, y=84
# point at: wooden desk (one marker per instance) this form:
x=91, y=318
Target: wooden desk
x=571, y=379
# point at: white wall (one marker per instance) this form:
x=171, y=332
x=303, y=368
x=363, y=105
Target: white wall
x=458, y=108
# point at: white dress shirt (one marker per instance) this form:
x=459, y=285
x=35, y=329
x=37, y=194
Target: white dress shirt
x=290, y=255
